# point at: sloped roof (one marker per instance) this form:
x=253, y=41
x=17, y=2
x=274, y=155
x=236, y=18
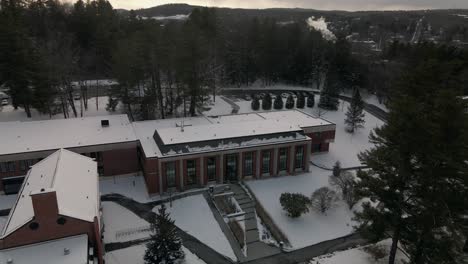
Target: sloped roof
x=74, y=179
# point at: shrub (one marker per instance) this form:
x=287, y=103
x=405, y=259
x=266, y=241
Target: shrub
x=278, y=104
x=266, y=102
x=337, y=169
x=323, y=199
x=311, y=100
x=300, y=101
x=345, y=183
x=295, y=204
x=377, y=252
x=255, y=103
x=290, y=102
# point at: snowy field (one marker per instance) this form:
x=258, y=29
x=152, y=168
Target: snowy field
x=131, y=186
x=193, y=215
x=312, y=227
x=220, y=107
x=358, y=256
x=121, y=225
x=8, y=113
x=135, y=254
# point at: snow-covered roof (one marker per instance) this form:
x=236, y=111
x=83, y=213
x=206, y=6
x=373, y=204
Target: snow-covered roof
x=191, y=134
x=222, y=129
x=51, y=252
x=19, y=137
x=74, y=179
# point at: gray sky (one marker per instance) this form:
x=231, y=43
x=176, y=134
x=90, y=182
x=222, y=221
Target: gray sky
x=315, y=4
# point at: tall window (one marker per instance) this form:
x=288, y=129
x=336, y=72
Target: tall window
x=299, y=157
x=248, y=164
x=7, y=166
x=283, y=159
x=171, y=174
x=211, y=168
x=3, y=167
x=266, y=162
x=191, y=172
x=25, y=164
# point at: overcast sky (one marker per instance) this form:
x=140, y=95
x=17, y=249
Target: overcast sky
x=315, y=4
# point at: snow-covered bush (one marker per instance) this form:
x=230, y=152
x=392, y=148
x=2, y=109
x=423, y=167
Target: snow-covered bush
x=290, y=102
x=311, y=100
x=255, y=103
x=337, y=169
x=278, y=104
x=345, y=184
x=295, y=204
x=266, y=102
x=323, y=199
x=300, y=101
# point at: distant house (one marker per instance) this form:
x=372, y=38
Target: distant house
x=174, y=154
x=58, y=211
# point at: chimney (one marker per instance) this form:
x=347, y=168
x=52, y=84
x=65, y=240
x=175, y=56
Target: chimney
x=105, y=123
x=44, y=205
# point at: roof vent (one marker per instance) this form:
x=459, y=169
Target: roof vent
x=105, y=123
x=9, y=261
x=66, y=251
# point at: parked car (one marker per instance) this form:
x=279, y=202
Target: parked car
x=261, y=95
x=285, y=95
x=77, y=96
x=4, y=101
x=248, y=97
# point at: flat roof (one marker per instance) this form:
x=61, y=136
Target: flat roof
x=18, y=137
x=74, y=179
x=50, y=252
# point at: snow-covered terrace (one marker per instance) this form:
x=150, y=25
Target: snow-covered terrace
x=71, y=176
x=20, y=137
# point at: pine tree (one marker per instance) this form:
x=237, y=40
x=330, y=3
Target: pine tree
x=355, y=114
x=290, y=102
x=311, y=100
x=278, y=104
x=266, y=102
x=165, y=246
x=300, y=101
x=329, y=97
x=255, y=103
x=337, y=169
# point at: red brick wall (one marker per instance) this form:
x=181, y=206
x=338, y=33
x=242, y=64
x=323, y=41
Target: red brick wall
x=16, y=172
x=321, y=138
x=150, y=172
x=98, y=245
x=120, y=161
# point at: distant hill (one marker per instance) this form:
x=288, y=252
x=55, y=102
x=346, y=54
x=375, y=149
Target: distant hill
x=166, y=10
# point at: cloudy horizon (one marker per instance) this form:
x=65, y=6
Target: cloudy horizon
x=350, y=5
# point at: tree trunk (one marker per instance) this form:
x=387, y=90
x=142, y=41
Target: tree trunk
x=27, y=109
x=72, y=102
x=394, y=247
x=97, y=95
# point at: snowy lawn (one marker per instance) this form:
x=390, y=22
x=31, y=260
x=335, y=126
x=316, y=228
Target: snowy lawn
x=359, y=256
x=312, y=227
x=135, y=254
x=131, y=186
x=122, y=225
x=193, y=215
x=8, y=113
x=7, y=201
x=220, y=107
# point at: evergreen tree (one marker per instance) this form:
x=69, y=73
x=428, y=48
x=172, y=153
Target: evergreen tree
x=329, y=97
x=255, y=103
x=266, y=102
x=165, y=246
x=337, y=169
x=278, y=104
x=355, y=114
x=290, y=102
x=311, y=100
x=300, y=101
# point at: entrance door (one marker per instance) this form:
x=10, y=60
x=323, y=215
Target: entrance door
x=231, y=167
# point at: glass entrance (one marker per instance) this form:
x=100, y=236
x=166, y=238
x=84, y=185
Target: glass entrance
x=231, y=167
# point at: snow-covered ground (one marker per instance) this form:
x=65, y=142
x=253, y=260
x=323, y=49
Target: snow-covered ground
x=131, y=186
x=358, y=256
x=193, y=215
x=312, y=227
x=8, y=113
x=135, y=254
x=220, y=107
x=122, y=225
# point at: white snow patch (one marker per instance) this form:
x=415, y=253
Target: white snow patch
x=194, y=216
x=121, y=225
x=132, y=186
x=218, y=107
x=313, y=227
x=321, y=25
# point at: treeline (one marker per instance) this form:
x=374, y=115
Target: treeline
x=161, y=67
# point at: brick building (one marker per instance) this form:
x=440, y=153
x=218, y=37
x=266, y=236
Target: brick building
x=59, y=201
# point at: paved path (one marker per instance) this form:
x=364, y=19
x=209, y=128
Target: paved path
x=235, y=107
x=307, y=253
x=145, y=212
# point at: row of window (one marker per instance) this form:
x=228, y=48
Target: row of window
x=10, y=166
x=232, y=165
